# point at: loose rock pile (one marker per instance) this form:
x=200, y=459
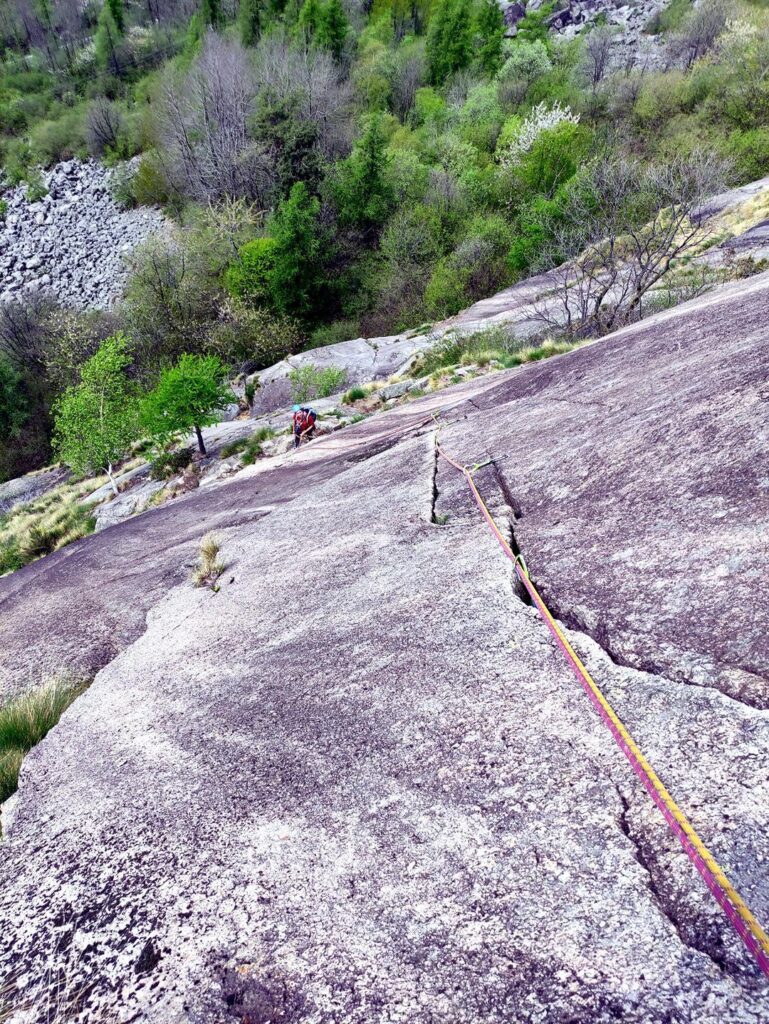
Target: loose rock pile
x=70, y=244
x=628, y=18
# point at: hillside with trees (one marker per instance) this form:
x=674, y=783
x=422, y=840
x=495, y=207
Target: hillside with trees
x=335, y=169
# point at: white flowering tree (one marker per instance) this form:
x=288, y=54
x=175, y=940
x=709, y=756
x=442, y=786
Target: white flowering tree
x=541, y=119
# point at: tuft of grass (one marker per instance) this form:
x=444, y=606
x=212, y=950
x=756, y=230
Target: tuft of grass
x=480, y=348
x=253, y=448
x=39, y=527
x=234, y=447
x=535, y=353
x=209, y=567
x=355, y=394
x=25, y=720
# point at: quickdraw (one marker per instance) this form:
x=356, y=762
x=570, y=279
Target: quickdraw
x=735, y=908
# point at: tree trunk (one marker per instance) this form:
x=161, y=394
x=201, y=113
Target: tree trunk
x=112, y=479
x=201, y=446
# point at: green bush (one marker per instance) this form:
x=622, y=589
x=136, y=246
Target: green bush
x=332, y=334
x=169, y=464
x=670, y=18
x=480, y=118
x=446, y=292
x=150, y=186
x=36, y=188
x=121, y=187
x=249, y=277
x=60, y=139
x=750, y=152
x=662, y=96
x=355, y=394
x=310, y=381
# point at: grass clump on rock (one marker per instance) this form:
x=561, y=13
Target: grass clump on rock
x=25, y=720
x=168, y=464
x=251, y=447
x=209, y=567
x=496, y=345
x=39, y=527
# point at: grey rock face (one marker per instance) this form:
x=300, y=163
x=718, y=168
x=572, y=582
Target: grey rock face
x=70, y=244
x=389, y=799
x=363, y=359
x=632, y=47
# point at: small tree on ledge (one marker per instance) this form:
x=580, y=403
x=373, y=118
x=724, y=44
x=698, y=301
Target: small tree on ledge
x=96, y=421
x=187, y=397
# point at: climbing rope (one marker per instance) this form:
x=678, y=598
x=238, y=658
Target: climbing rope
x=735, y=908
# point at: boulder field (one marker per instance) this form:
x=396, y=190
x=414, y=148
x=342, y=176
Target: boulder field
x=360, y=783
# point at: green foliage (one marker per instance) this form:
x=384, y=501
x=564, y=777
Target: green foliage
x=36, y=188
x=187, y=397
x=429, y=106
x=118, y=14
x=60, y=139
x=309, y=382
x=250, y=19
x=249, y=278
x=363, y=192
x=309, y=20
x=490, y=27
x=297, y=274
x=533, y=26
x=255, y=337
x=14, y=408
x=95, y=421
x=24, y=722
x=552, y=159
x=449, y=39
x=528, y=61
x=107, y=42
x=293, y=143
x=149, y=185
x=168, y=464
x=211, y=11
x=480, y=118
x=332, y=334
x=332, y=28
x=355, y=394
x=750, y=152
x=670, y=18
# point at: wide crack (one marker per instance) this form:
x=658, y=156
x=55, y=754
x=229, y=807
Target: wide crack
x=699, y=935
x=699, y=932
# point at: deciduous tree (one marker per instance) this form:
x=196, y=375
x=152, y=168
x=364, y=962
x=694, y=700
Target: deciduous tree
x=187, y=397
x=96, y=420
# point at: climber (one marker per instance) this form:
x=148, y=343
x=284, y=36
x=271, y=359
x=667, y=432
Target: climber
x=303, y=424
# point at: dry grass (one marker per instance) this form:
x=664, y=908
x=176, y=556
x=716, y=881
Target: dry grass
x=46, y=524
x=209, y=567
x=25, y=720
